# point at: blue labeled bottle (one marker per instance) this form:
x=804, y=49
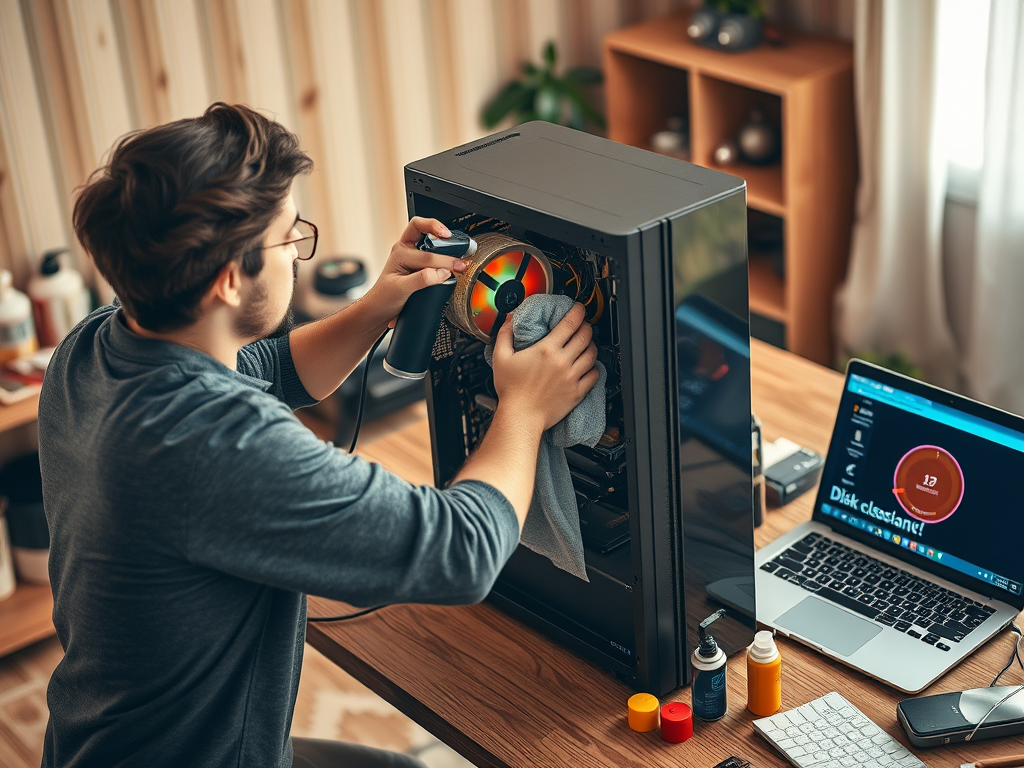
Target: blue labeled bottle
x=710, y=692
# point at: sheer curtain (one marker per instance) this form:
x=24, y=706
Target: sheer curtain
x=994, y=367
x=893, y=300
x=902, y=294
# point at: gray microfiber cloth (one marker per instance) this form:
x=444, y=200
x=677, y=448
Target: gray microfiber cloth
x=552, y=527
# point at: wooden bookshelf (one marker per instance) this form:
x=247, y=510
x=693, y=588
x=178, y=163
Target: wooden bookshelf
x=653, y=71
x=767, y=289
x=25, y=616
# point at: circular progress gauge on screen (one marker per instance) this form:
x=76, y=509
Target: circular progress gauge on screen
x=928, y=483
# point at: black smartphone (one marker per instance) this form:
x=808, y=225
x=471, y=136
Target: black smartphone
x=948, y=718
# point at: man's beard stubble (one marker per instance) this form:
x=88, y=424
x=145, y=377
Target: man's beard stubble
x=256, y=323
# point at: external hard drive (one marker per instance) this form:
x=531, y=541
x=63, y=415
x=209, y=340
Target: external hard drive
x=949, y=718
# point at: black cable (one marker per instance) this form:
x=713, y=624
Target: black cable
x=346, y=616
x=1014, y=654
x=1016, y=646
x=362, y=389
x=355, y=438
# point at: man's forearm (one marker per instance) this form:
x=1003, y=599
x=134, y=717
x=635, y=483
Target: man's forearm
x=507, y=457
x=326, y=351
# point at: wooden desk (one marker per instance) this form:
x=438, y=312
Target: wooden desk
x=504, y=695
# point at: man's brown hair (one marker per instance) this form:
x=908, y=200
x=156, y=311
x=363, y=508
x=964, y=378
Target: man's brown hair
x=177, y=202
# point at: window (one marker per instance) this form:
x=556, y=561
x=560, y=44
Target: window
x=960, y=71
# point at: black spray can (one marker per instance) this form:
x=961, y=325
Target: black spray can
x=416, y=328
x=710, y=692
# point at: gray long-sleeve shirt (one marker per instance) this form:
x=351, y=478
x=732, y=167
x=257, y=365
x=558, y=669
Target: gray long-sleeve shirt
x=189, y=512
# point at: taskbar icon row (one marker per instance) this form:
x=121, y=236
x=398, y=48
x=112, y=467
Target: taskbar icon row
x=954, y=562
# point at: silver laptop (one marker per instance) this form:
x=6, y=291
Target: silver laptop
x=912, y=558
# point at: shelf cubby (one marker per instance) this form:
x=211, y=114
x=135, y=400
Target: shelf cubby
x=720, y=109
x=804, y=86
x=658, y=93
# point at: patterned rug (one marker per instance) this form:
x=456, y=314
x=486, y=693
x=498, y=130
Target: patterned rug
x=333, y=705
x=330, y=705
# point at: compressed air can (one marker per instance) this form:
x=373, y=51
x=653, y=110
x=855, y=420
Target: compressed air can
x=710, y=691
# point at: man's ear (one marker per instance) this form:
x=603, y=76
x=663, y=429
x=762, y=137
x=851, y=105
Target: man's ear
x=226, y=288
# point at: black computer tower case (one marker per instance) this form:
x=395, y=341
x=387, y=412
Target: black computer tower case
x=666, y=497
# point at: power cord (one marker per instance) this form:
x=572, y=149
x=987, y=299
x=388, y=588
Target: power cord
x=345, y=616
x=994, y=707
x=355, y=439
x=362, y=390
x=1014, y=654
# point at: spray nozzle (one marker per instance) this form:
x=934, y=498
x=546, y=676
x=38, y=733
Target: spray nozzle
x=459, y=244
x=708, y=647
x=50, y=264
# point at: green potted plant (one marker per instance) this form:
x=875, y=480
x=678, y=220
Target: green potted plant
x=543, y=95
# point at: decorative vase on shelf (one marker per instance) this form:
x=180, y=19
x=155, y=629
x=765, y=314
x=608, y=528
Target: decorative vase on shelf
x=674, y=140
x=726, y=153
x=730, y=25
x=759, y=140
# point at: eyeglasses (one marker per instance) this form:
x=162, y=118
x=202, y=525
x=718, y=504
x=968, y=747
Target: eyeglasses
x=306, y=244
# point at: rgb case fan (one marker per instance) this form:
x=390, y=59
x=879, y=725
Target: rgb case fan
x=656, y=250
x=504, y=272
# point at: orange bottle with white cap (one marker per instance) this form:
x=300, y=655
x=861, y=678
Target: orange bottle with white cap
x=764, y=675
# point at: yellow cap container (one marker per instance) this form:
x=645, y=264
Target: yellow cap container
x=643, y=712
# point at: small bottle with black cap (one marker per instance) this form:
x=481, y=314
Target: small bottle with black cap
x=710, y=692
x=59, y=298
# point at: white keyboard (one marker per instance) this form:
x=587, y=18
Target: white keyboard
x=832, y=733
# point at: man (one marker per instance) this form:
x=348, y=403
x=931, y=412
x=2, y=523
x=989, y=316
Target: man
x=190, y=511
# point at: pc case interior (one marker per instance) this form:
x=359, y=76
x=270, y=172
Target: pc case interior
x=656, y=249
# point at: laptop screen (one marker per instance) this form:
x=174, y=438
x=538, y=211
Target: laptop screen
x=928, y=478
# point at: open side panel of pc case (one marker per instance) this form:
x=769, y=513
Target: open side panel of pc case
x=665, y=497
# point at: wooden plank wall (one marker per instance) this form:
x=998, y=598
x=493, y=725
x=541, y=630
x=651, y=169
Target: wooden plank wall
x=369, y=85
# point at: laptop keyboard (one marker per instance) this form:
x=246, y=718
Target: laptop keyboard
x=881, y=592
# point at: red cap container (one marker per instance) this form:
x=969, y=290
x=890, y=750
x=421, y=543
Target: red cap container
x=676, y=722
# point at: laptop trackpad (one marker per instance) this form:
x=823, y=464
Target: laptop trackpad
x=828, y=626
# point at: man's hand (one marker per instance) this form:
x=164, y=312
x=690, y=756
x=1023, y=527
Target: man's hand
x=550, y=378
x=536, y=387
x=348, y=334
x=408, y=269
